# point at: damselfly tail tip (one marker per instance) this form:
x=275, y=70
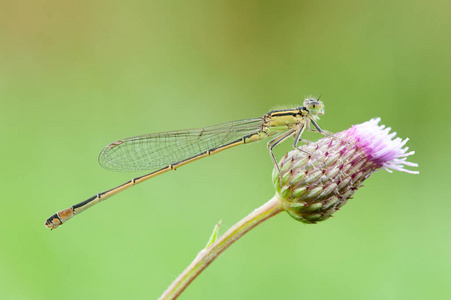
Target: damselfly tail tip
x=53, y=222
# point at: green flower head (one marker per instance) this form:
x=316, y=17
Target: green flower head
x=317, y=181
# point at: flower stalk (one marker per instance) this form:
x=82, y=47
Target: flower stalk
x=208, y=255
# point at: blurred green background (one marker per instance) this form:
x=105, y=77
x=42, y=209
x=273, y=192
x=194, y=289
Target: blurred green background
x=77, y=75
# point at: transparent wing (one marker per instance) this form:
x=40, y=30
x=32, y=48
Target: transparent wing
x=157, y=150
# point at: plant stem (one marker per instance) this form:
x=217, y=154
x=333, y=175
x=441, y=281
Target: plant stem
x=208, y=255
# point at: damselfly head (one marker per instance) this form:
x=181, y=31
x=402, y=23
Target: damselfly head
x=314, y=106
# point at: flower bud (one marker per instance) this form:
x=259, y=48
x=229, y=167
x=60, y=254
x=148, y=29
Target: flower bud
x=317, y=181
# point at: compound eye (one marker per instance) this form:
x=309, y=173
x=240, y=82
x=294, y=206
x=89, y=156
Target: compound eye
x=313, y=105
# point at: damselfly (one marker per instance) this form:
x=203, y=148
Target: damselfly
x=165, y=151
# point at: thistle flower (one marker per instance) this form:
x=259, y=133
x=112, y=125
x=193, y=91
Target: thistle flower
x=317, y=181
x=313, y=183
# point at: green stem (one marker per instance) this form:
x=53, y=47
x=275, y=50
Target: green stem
x=208, y=255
